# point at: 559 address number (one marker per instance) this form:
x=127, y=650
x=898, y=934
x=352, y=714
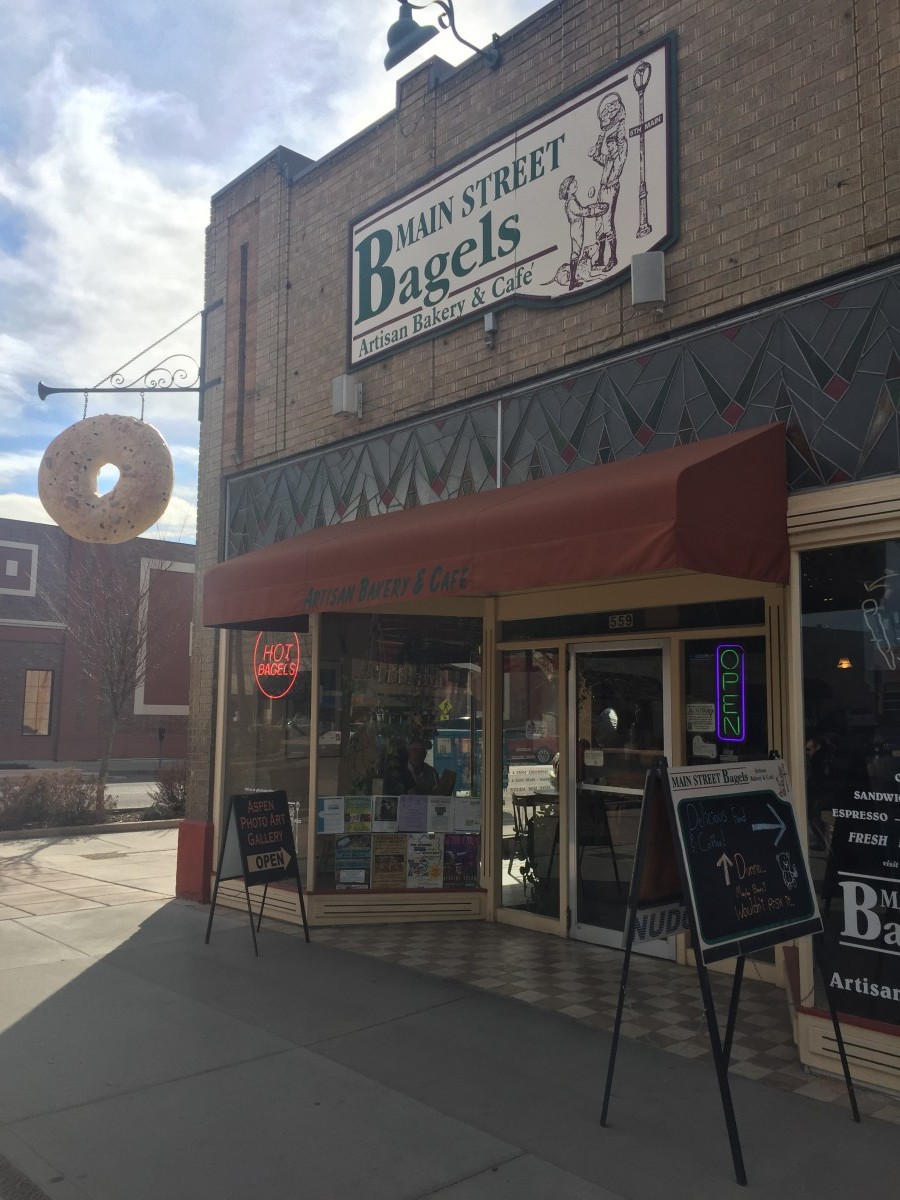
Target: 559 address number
x=621, y=621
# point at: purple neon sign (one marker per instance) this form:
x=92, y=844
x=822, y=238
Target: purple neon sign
x=731, y=693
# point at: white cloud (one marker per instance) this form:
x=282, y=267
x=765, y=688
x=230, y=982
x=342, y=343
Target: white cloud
x=15, y=468
x=117, y=123
x=113, y=254
x=15, y=506
x=178, y=523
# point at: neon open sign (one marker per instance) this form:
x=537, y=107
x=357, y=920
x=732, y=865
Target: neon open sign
x=276, y=663
x=731, y=694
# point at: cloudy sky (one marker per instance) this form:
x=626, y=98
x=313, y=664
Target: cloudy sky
x=118, y=120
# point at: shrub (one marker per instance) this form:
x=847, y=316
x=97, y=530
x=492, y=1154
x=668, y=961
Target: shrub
x=169, y=793
x=51, y=800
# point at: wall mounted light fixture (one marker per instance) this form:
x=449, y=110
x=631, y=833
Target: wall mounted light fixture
x=405, y=37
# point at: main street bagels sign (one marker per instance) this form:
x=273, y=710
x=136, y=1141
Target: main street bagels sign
x=550, y=211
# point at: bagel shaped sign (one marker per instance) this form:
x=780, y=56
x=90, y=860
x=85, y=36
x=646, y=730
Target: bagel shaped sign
x=67, y=478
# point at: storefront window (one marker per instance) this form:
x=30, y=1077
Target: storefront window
x=530, y=796
x=851, y=705
x=399, y=780
x=725, y=704
x=268, y=722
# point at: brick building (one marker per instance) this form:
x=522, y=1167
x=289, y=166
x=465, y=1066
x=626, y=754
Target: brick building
x=56, y=594
x=548, y=389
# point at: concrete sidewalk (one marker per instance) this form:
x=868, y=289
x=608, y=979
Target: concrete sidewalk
x=139, y=1063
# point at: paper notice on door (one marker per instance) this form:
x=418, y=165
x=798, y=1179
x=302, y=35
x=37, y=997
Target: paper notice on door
x=703, y=749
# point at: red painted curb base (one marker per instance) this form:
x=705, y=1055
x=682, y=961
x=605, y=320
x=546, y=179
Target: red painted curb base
x=194, y=865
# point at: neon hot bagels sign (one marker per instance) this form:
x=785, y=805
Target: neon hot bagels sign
x=276, y=663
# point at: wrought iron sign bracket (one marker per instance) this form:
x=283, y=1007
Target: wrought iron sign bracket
x=158, y=380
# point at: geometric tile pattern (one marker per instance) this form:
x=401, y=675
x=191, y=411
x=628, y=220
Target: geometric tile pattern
x=827, y=365
x=662, y=1009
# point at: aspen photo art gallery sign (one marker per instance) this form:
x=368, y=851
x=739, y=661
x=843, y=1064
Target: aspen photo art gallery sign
x=547, y=212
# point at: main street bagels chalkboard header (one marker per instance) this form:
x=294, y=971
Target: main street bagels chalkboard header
x=748, y=879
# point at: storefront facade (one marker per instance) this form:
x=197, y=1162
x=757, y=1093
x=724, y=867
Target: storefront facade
x=485, y=528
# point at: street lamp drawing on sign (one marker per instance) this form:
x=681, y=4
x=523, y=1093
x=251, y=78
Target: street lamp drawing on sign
x=640, y=79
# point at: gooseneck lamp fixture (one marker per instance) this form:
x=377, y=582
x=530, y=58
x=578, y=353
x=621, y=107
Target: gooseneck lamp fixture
x=405, y=37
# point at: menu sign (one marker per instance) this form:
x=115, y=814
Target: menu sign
x=748, y=878
x=861, y=897
x=743, y=879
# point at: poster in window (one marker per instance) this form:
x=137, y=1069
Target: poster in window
x=352, y=861
x=385, y=817
x=358, y=814
x=440, y=814
x=425, y=860
x=460, y=860
x=330, y=814
x=412, y=814
x=466, y=815
x=389, y=860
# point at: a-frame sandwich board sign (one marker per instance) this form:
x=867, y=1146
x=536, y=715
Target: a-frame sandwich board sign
x=718, y=851
x=258, y=847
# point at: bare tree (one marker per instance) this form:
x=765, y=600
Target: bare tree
x=121, y=640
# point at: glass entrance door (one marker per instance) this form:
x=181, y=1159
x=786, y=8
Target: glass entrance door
x=618, y=726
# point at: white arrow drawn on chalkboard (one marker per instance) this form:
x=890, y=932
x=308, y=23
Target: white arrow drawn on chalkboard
x=725, y=862
x=781, y=827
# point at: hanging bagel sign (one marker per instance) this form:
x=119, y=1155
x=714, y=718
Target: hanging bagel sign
x=67, y=478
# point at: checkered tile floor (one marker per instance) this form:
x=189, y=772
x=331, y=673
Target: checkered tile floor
x=663, y=1006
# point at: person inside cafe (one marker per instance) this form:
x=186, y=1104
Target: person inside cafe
x=414, y=776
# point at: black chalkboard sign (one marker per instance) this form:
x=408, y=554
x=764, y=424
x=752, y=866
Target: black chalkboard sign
x=261, y=825
x=745, y=869
x=718, y=849
x=259, y=848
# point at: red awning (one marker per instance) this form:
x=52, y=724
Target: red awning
x=717, y=506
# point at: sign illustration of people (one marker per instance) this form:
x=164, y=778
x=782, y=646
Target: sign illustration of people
x=609, y=152
x=577, y=213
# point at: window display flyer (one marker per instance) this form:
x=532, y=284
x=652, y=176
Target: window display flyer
x=385, y=818
x=440, y=814
x=425, y=860
x=352, y=861
x=412, y=814
x=330, y=814
x=466, y=815
x=460, y=860
x=357, y=814
x=389, y=860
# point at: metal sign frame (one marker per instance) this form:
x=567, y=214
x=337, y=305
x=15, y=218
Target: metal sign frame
x=258, y=847
x=658, y=847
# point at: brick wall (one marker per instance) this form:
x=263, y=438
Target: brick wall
x=39, y=633
x=789, y=172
